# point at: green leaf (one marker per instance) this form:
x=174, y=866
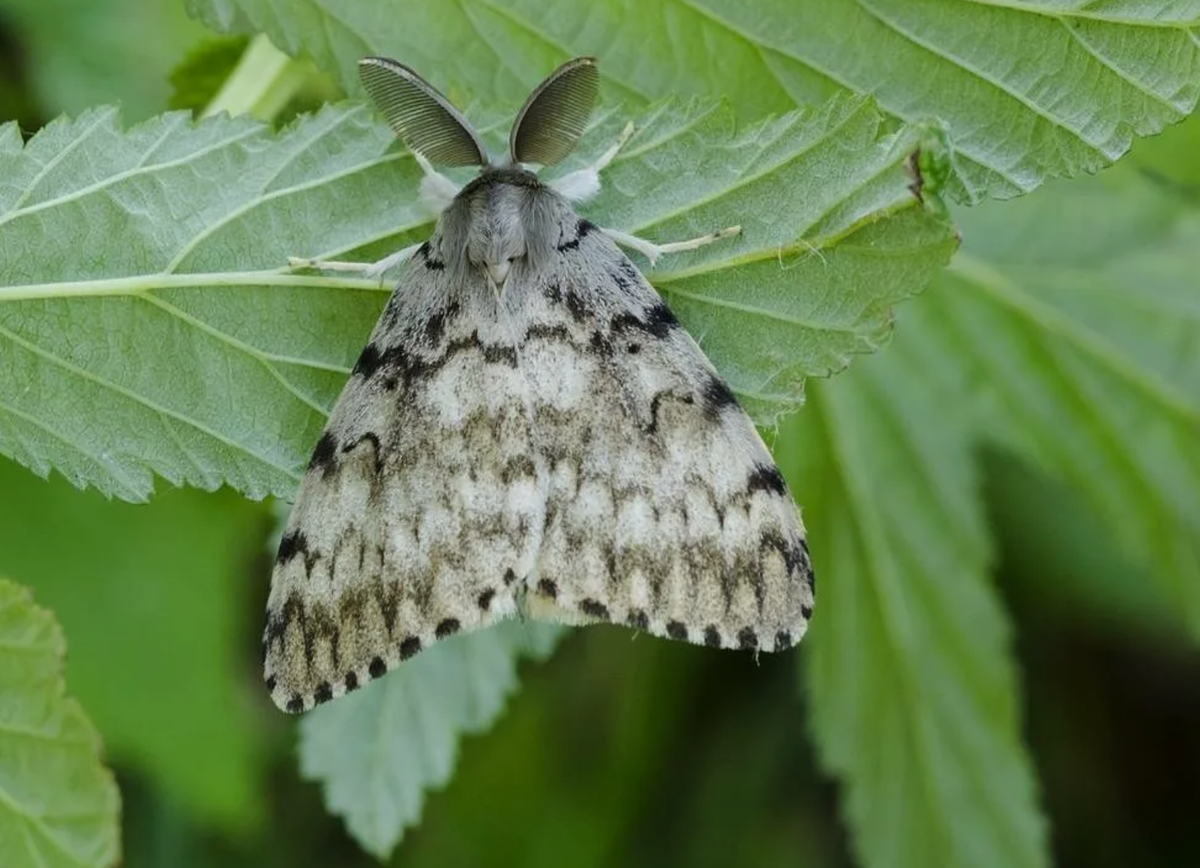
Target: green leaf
x=1074, y=319
x=909, y=665
x=1066, y=330
x=146, y=326
x=81, y=52
x=197, y=78
x=1172, y=157
x=1059, y=556
x=58, y=805
x=380, y=749
x=151, y=598
x=1056, y=88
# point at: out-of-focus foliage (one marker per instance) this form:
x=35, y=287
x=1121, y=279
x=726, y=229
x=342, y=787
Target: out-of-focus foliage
x=60, y=805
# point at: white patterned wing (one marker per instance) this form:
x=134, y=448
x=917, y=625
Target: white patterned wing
x=421, y=508
x=664, y=509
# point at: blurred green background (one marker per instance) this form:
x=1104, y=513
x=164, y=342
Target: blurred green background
x=619, y=750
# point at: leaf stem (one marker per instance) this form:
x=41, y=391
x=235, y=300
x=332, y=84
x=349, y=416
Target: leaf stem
x=262, y=83
x=140, y=284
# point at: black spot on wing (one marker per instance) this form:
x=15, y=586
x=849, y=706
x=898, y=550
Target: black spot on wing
x=499, y=354
x=557, y=333
x=712, y=637
x=435, y=326
x=747, y=639
x=582, y=228
x=425, y=253
x=548, y=588
x=599, y=344
x=594, y=609
x=657, y=321
x=676, y=630
x=293, y=543
x=638, y=619
x=377, y=667
x=325, y=454
x=368, y=361
x=574, y=302
x=485, y=599
x=447, y=628
x=783, y=640
x=295, y=705
x=324, y=693
x=766, y=477
x=412, y=645
x=716, y=396
x=351, y=681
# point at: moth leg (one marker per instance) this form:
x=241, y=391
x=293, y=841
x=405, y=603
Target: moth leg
x=653, y=251
x=366, y=269
x=437, y=192
x=583, y=184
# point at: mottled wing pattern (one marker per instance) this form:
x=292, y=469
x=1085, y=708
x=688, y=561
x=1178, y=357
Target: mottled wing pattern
x=664, y=509
x=421, y=507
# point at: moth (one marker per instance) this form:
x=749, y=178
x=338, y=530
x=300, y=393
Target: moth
x=528, y=430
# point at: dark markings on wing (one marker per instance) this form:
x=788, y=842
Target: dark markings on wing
x=293, y=544
x=324, y=457
x=717, y=396
x=397, y=364
x=657, y=321
x=766, y=477
x=579, y=309
x=425, y=252
x=582, y=228
x=435, y=326
x=368, y=362
x=594, y=609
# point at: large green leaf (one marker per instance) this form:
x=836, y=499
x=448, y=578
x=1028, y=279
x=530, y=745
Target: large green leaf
x=58, y=804
x=1075, y=317
x=1028, y=90
x=1066, y=329
x=146, y=326
x=912, y=682
x=149, y=598
x=379, y=750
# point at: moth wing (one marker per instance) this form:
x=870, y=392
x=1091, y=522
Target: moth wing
x=421, y=507
x=664, y=510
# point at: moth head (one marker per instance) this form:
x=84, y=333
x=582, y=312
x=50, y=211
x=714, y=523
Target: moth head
x=495, y=207
x=494, y=218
